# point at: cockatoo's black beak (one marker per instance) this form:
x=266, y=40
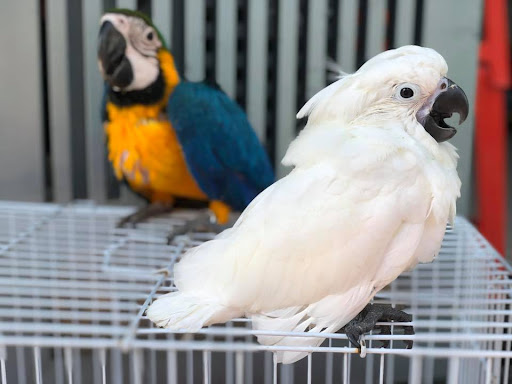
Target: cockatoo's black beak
x=116, y=67
x=452, y=100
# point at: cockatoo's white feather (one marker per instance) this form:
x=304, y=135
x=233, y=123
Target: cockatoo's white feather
x=369, y=197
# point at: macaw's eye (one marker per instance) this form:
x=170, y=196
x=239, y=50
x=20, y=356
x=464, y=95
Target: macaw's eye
x=150, y=36
x=406, y=93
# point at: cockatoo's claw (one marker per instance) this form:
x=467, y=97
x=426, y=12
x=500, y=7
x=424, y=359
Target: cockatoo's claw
x=353, y=334
x=144, y=213
x=367, y=319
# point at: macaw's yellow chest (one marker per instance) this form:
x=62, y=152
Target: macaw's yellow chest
x=144, y=149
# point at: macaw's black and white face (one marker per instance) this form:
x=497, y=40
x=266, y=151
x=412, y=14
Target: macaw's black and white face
x=127, y=52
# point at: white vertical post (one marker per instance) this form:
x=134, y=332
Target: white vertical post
x=206, y=370
x=453, y=370
x=287, y=37
x=381, y=369
x=376, y=23
x=257, y=36
x=162, y=18
x=347, y=34
x=21, y=117
x=404, y=22
x=129, y=4
x=346, y=377
x=93, y=89
x=68, y=363
x=225, y=40
x=239, y=360
x=310, y=367
x=172, y=367
x=317, y=47
x=59, y=98
x=195, y=39
x=415, y=370
x=37, y=365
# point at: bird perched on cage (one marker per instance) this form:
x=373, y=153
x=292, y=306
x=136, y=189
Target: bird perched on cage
x=169, y=138
x=373, y=186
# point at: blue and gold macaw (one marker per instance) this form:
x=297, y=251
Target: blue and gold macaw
x=169, y=138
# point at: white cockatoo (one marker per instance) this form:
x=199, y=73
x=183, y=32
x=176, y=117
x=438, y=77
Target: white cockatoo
x=373, y=186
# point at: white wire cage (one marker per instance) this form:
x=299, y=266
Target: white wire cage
x=74, y=289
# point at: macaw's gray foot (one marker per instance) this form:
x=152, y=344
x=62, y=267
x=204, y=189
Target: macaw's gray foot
x=204, y=222
x=367, y=319
x=144, y=213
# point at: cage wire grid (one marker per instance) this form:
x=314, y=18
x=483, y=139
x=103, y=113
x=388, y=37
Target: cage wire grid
x=74, y=289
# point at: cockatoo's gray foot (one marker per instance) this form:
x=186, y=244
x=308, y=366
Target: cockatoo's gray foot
x=367, y=319
x=144, y=213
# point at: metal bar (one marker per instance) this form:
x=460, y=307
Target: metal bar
x=102, y=357
x=257, y=53
x=128, y=4
x=20, y=365
x=3, y=371
x=317, y=47
x=206, y=368
x=345, y=369
x=488, y=371
x=453, y=370
x=347, y=34
x=190, y=367
x=376, y=24
x=195, y=49
x=37, y=365
x=172, y=367
x=21, y=110
x=225, y=39
x=162, y=18
x=381, y=369
x=275, y=369
x=415, y=370
x=310, y=367
x=138, y=366
x=369, y=367
x=287, y=37
x=404, y=22
x=93, y=89
x=239, y=359
x=329, y=366
x=59, y=99
x=268, y=368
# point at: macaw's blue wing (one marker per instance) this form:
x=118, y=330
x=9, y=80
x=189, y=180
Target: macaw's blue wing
x=221, y=149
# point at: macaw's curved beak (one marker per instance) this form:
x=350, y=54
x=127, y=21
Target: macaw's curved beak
x=451, y=101
x=114, y=64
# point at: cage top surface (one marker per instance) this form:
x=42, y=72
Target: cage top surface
x=70, y=278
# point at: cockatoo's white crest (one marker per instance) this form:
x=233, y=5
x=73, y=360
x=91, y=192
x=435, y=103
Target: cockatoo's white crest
x=371, y=88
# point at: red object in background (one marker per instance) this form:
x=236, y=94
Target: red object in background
x=491, y=124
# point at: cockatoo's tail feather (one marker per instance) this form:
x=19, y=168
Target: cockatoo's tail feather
x=181, y=312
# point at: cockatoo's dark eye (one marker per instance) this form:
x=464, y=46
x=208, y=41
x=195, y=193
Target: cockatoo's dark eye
x=406, y=93
x=150, y=36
